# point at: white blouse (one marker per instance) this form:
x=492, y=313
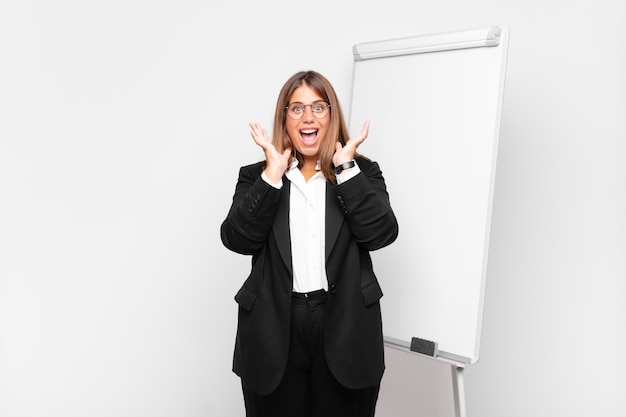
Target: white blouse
x=307, y=221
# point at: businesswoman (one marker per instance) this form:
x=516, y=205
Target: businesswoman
x=309, y=338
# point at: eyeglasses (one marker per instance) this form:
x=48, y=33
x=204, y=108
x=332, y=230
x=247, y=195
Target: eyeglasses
x=319, y=109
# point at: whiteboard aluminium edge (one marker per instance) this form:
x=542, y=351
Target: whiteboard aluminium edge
x=503, y=63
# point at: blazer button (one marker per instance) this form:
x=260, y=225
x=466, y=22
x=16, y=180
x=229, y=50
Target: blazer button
x=333, y=288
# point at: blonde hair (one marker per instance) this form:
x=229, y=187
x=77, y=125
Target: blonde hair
x=337, y=129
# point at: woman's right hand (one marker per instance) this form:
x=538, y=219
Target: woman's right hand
x=277, y=163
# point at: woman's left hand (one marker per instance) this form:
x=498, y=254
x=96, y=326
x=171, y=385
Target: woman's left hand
x=346, y=153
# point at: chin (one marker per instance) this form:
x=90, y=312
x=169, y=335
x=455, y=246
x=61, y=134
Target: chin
x=309, y=151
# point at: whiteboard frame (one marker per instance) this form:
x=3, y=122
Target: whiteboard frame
x=493, y=36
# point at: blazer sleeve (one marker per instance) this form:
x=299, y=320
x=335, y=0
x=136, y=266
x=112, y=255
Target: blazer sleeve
x=366, y=206
x=249, y=220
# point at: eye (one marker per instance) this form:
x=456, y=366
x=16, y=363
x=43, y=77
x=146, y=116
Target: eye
x=297, y=108
x=318, y=107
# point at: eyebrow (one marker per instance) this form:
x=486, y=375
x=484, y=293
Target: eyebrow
x=316, y=101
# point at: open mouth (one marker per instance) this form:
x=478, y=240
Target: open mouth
x=308, y=136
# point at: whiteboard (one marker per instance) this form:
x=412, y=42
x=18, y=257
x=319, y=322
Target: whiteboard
x=434, y=103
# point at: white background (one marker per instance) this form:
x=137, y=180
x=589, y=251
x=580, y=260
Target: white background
x=122, y=128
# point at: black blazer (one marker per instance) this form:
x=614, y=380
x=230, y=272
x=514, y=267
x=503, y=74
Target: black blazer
x=359, y=219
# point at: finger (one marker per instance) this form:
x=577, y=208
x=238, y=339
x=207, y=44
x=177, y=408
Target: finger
x=364, y=132
x=366, y=128
x=257, y=139
x=257, y=130
x=259, y=134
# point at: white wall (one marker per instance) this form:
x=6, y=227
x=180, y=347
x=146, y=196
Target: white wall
x=123, y=124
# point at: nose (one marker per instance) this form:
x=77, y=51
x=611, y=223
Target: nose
x=308, y=113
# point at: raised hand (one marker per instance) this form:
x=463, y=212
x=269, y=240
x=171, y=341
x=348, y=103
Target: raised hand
x=277, y=163
x=346, y=153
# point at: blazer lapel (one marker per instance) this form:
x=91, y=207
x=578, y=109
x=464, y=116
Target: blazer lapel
x=334, y=218
x=281, y=225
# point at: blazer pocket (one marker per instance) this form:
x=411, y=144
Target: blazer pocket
x=245, y=298
x=371, y=294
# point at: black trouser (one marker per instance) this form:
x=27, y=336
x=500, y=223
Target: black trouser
x=308, y=388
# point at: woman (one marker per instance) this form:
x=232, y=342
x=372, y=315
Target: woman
x=309, y=338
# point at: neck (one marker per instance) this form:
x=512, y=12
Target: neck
x=307, y=168
x=309, y=164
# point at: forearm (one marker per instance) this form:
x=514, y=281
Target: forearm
x=368, y=211
x=251, y=215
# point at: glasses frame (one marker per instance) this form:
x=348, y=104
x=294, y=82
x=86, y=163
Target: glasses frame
x=305, y=106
